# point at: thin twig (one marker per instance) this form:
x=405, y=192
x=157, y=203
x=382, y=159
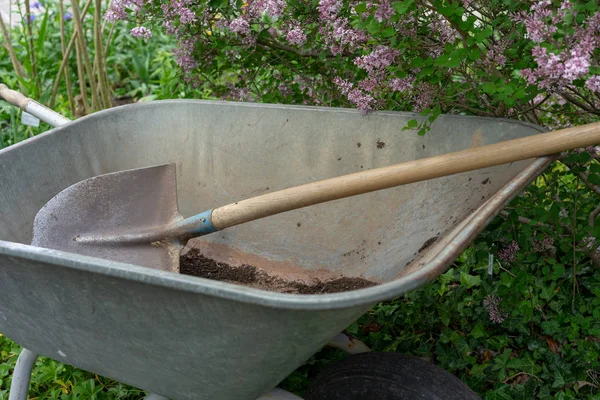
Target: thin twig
x=31, y=47
x=84, y=54
x=105, y=101
x=574, y=255
x=64, y=61
x=519, y=374
x=13, y=57
x=593, y=215
x=81, y=76
x=584, y=177
x=505, y=270
x=524, y=220
x=63, y=49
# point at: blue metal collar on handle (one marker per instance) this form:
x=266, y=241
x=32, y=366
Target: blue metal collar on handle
x=200, y=224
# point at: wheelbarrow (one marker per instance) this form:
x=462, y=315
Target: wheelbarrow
x=186, y=337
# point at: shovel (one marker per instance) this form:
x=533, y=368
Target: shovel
x=132, y=216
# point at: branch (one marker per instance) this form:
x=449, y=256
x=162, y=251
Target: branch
x=524, y=220
x=298, y=52
x=584, y=177
x=593, y=215
x=13, y=57
x=579, y=104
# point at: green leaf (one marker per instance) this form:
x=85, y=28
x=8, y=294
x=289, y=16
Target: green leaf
x=499, y=394
x=402, y=7
x=360, y=8
x=559, y=379
x=594, y=178
x=469, y=280
x=595, y=168
x=474, y=54
x=488, y=88
x=388, y=32
x=373, y=27
x=520, y=93
x=412, y=123
x=478, y=331
x=478, y=370
x=42, y=33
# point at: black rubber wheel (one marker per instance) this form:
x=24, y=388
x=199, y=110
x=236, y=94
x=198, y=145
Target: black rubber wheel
x=387, y=376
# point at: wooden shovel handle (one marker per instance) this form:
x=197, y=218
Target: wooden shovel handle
x=34, y=108
x=413, y=171
x=13, y=97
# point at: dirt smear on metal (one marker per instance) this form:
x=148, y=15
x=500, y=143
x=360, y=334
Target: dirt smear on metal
x=195, y=263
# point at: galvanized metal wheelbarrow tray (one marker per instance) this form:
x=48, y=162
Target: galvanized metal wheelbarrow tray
x=190, y=338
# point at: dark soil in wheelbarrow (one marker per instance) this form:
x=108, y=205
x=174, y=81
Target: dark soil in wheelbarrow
x=196, y=264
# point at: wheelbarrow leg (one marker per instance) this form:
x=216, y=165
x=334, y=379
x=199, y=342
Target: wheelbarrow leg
x=22, y=375
x=348, y=344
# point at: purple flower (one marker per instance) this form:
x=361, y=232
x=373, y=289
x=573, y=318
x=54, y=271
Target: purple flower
x=329, y=9
x=369, y=84
x=273, y=8
x=495, y=55
x=240, y=26
x=141, y=32
x=284, y=89
x=37, y=5
x=424, y=98
x=509, y=253
x=362, y=100
x=492, y=304
x=593, y=83
x=576, y=67
x=343, y=84
x=402, y=85
x=31, y=18
x=186, y=15
x=184, y=55
x=116, y=11
x=384, y=11
x=380, y=58
x=68, y=16
x=296, y=36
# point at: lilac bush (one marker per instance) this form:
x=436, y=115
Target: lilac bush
x=536, y=61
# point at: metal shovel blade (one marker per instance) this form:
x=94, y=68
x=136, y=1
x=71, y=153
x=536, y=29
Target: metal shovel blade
x=121, y=216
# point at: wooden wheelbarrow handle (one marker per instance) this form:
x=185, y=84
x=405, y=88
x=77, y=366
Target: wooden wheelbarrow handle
x=32, y=107
x=538, y=145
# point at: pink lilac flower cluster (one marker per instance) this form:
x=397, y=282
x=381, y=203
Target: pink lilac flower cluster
x=240, y=25
x=184, y=55
x=558, y=69
x=273, y=8
x=238, y=93
x=445, y=33
x=116, y=11
x=425, y=96
x=384, y=11
x=509, y=253
x=402, y=84
x=495, y=56
x=492, y=305
x=362, y=100
x=141, y=32
x=296, y=35
x=329, y=9
x=593, y=83
x=377, y=60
